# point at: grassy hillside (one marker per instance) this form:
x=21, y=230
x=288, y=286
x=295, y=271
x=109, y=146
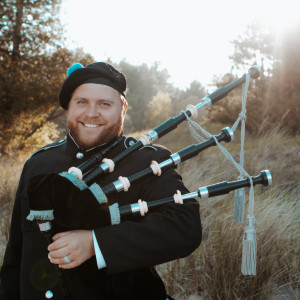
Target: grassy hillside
x=213, y=270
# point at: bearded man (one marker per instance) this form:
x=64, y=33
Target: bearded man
x=107, y=262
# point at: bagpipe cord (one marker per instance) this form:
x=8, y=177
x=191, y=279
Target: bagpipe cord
x=248, y=266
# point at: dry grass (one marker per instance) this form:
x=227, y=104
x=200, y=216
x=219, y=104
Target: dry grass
x=10, y=174
x=213, y=270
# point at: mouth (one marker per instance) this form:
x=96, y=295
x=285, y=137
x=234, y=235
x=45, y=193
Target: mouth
x=90, y=125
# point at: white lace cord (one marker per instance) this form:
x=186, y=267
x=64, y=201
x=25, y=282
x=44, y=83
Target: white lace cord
x=155, y=168
x=224, y=151
x=77, y=172
x=143, y=207
x=239, y=196
x=178, y=197
x=194, y=133
x=125, y=183
x=110, y=164
x=193, y=110
x=143, y=138
x=249, y=244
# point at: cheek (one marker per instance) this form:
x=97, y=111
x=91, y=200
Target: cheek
x=112, y=116
x=73, y=115
x=70, y=118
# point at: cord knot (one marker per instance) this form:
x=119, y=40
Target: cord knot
x=242, y=116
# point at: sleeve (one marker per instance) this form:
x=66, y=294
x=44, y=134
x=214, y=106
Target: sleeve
x=10, y=271
x=170, y=232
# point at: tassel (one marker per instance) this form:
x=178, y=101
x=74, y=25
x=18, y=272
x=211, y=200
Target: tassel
x=73, y=178
x=239, y=205
x=249, y=249
x=115, y=214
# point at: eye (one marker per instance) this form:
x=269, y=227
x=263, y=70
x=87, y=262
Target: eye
x=81, y=102
x=105, y=104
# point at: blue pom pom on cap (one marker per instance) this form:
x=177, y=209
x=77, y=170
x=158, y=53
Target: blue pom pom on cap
x=73, y=68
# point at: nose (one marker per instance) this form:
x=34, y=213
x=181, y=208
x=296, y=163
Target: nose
x=92, y=111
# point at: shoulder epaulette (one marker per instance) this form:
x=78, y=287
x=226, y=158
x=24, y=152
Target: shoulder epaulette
x=49, y=146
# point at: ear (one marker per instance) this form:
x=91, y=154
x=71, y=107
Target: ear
x=124, y=110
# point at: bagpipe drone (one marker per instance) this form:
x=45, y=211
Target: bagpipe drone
x=78, y=188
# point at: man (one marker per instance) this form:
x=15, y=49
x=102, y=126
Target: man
x=108, y=262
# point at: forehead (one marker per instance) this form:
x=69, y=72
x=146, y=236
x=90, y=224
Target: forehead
x=94, y=91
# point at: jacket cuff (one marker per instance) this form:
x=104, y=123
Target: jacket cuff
x=99, y=257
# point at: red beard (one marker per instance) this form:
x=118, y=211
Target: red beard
x=109, y=133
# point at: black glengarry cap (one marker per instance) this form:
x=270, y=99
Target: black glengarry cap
x=99, y=72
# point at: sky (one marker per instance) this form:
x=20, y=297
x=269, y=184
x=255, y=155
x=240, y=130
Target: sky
x=192, y=39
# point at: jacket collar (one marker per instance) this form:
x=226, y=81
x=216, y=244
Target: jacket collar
x=73, y=147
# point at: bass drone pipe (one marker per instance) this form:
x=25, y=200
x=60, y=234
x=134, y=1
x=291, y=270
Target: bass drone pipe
x=123, y=184
x=107, y=166
x=69, y=208
x=57, y=191
x=142, y=207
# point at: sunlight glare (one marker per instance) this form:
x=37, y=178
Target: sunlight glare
x=192, y=39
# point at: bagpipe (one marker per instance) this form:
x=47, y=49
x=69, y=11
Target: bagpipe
x=79, y=182
x=51, y=194
x=86, y=171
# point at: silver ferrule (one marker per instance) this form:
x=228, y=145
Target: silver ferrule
x=176, y=158
x=230, y=132
x=203, y=192
x=269, y=177
x=45, y=226
x=135, y=207
x=104, y=167
x=152, y=136
x=165, y=163
x=204, y=102
x=189, y=195
x=118, y=186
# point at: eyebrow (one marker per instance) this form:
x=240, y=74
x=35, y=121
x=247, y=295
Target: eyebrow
x=86, y=98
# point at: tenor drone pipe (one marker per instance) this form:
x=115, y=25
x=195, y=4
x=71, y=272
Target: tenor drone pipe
x=172, y=123
x=225, y=135
x=217, y=189
x=220, y=93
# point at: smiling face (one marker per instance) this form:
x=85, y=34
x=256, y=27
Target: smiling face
x=95, y=115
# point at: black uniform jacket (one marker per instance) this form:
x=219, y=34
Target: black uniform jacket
x=131, y=249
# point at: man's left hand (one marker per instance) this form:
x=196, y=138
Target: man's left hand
x=76, y=245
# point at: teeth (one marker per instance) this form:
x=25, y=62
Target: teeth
x=91, y=125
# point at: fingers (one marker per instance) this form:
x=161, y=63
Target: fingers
x=77, y=245
x=61, y=234
x=62, y=261
x=60, y=240
x=60, y=253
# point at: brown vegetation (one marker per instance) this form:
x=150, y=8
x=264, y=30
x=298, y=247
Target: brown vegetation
x=30, y=78
x=214, y=269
